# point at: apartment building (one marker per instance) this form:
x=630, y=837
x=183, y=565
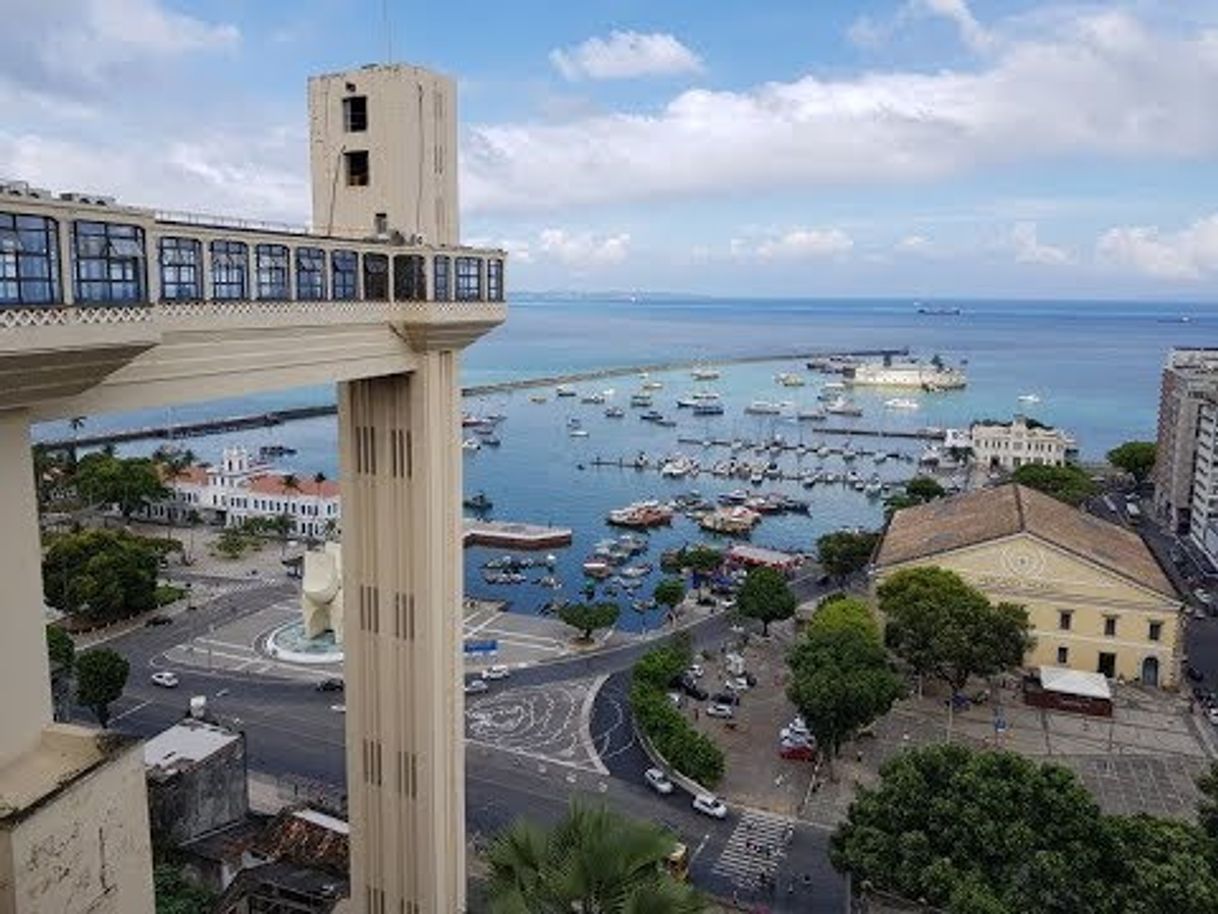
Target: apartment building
x=1189, y=383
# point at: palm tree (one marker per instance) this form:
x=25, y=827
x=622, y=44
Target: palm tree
x=174, y=462
x=319, y=477
x=593, y=860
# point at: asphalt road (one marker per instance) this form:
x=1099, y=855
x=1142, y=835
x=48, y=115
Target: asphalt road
x=293, y=733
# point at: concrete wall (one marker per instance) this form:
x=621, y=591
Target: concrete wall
x=88, y=851
x=411, y=142
x=208, y=796
x=1047, y=581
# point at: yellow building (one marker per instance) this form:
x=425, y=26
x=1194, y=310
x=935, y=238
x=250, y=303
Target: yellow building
x=1096, y=597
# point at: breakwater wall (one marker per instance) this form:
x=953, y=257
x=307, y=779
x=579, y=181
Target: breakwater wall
x=172, y=431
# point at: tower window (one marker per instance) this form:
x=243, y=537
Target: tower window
x=357, y=168
x=355, y=114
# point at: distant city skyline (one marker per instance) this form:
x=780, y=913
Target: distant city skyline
x=877, y=148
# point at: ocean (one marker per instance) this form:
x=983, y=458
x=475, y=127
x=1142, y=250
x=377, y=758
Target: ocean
x=1094, y=367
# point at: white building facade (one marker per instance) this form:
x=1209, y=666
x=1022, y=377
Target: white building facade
x=1020, y=442
x=240, y=489
x=1203, y=513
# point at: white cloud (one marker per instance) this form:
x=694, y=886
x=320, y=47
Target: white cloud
x=1029, y=248
x=583, y=249
x=625, y=55
x=914, y=244
x=1101, y=85
x=972, y=33
x=871, y=33
x=1191, y=253
x=804, y=243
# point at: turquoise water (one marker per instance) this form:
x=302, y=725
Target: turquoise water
x=1095, y=367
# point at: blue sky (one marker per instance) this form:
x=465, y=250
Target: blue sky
x=914, y=148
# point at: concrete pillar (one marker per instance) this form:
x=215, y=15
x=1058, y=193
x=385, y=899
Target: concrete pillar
x=402, y=584
x=23, y=653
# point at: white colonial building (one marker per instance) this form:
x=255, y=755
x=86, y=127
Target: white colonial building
x=240, y=488
x=1022, y=441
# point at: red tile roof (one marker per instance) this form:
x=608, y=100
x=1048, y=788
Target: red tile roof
x=272, y=484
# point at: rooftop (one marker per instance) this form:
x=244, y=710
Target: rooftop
x=183, y=746
x=307, y=837
x=991, y=514
x=273, y=484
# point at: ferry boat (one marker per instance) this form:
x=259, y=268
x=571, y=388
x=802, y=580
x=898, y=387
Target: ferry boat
x=763, y=408
x=928, y=376
x=641, y=514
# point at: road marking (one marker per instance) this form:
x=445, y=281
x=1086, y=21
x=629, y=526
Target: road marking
x=585, y=723
x=139, y=707
x=536, y=756
x=755, y=849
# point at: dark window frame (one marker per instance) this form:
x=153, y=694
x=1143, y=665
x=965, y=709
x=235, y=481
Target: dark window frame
x=409, y=277
x=310, y=274
x=109, y=262
x=344, y=275
x=468, y=281
x=357, y=176
x=1154, y=631
x=376, y=277
x=355, y=114
x=272, y=272
x=442, y=272
x=494, y=279
x=29, y=260
x=229, y=270
x=181, y=263
x=1063, y=655
x=1065, y=620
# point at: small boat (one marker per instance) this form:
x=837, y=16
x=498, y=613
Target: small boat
x=901, y=403
x=763, y=408
x=574, y=422
x=640, y=399
x=790, y=379
x=491, y=440
x=652, y=385
x=708, y=409
x=704, y=374
x=666, y=423
x=480, y=503
x=562, y=390
x=614, y=412
x=1029, y=398
x=811, y=415
x=842, y=407
x=537, y=398
x=592, y=398
x=579, y=433
x=597, y=568
x=471, y=444
x=651, y=416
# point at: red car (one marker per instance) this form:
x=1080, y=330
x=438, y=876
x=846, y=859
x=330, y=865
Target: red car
x=800, y=753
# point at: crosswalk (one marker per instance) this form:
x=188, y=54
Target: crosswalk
x=755, y=849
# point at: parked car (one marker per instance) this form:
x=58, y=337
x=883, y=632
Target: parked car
x=717, y=709
x=1193, y=673
x=695, y=670
x=498, y=671
x=162, y=619
x=750, y=679
x=474, y=686
x=691, y=688
x=710, y=805
x=737, y=684
x=658, y=781
x=333, y=684
x=1212, y=714
x=165, y=679
x=1203, y=596
x=726, y=698
x=799, y=752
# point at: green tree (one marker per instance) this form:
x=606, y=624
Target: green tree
x=702, y=559
x=592, y=860
x=1207, y=806
x=840, y=680
x=587, y=617
x=973, y=832
x=845, y=612
x=101, y=676
x=1065, y=483
x=765, y=596
x=1137, y=458
x=129, y=483
x=670, y=592
x=177, y=895
x=1153, y=865
x=918, y=491
x=101, y=574
x=846, y=552
x=61, y=650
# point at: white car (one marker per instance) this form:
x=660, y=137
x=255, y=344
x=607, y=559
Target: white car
x=737, y=684
x=790, y=734
x=710, y=805
x=474, y=686
x=496, y=672
x=718, y=709
x=695, y=670
x=795, y=742
x=1203, y=596
x=165, y=679
x=658, y=781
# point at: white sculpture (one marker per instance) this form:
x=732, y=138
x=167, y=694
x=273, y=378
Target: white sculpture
x=321, y=598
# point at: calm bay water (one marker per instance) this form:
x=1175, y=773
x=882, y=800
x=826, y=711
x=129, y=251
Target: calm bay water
x=1095, y=367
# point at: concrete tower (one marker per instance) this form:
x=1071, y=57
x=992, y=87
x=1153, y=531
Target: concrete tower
x=383, y=146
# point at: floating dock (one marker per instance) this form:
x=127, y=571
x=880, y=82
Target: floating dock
x=508, y=535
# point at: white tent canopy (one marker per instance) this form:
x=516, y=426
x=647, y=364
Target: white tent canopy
x=1074, y=682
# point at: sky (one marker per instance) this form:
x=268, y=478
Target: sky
x=908, y=148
